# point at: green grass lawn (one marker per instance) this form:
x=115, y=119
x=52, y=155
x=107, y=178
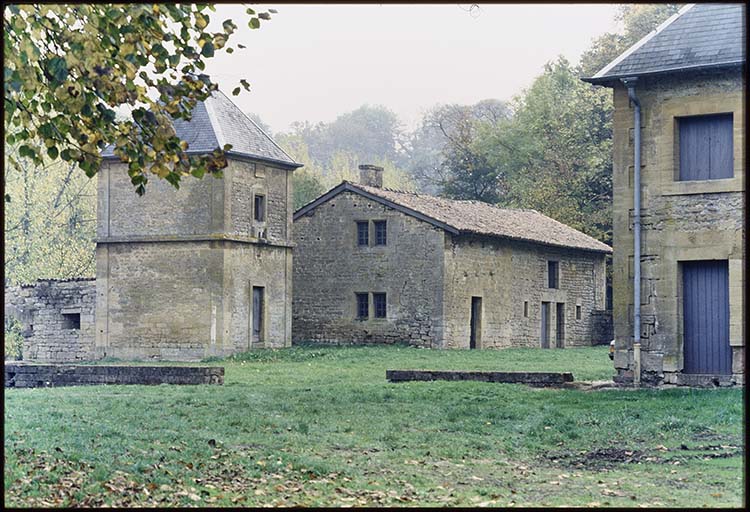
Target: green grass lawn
x=321, y=426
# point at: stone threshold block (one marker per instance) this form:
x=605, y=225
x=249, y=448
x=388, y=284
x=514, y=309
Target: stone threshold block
x=26, y=375
x=541, y=379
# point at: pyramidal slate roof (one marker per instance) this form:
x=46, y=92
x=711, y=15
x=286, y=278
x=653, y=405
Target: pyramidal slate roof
x=698, y=36
x=471, y=217
x=217, y=121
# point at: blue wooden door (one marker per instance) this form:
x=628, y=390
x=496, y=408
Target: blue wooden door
x=705, y=286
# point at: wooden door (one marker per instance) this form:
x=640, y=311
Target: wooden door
x=560, y=335
x=705, y=292
x=476, y=322
x=258, y=312
x=545, y=325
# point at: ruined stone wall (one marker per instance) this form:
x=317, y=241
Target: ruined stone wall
x=48, y=311
x=329, y=268
x=24, y=375
x=682, y=221
x=505, y=274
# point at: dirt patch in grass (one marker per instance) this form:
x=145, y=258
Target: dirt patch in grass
x=605, y=458
x=600, y=458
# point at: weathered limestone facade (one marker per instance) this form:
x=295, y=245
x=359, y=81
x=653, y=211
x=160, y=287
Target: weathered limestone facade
x=56, y=317
x=429, y=276
x=508, y=273
x=682, y=221
x=329, y=268
x=176, y=268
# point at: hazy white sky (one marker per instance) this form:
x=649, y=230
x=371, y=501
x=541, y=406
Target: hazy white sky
x=314, y=62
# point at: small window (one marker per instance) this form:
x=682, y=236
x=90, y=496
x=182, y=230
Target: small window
x=706, y=147
x=363, y=306
x=578, y=312
x=71, y=321
x=379, y=303
x=363, y=233
x=552, y=274
x=380, y=232
x=526, y=309
x=259, y=210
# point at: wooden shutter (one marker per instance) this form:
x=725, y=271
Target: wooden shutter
x=706, y=147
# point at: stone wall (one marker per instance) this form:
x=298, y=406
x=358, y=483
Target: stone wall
x=19, y=375
x=121, y=213
x=246, y=180
x=682, y=221
x=57, y=318
x=175, y=268
x=506, y=274
x=602, y=328
x=429, y=278
x=330, y=268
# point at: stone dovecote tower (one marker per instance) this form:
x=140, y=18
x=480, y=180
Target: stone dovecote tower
x=205, y=270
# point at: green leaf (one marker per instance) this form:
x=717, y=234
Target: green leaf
x=52, y=152
x=254, y=23
x=58, y=68
x=208, y=49
x=245, y=84
x=236, y=91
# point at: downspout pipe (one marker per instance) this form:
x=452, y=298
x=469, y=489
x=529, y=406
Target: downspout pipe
x=630, y=84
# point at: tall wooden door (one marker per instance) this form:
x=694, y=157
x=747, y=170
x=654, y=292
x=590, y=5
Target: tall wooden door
x=560, y=334
x=257, y=334
x=476, y=322
x=705, y=292
x=545, y=325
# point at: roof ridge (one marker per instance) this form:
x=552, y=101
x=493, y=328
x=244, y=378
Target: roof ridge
x=645, y=39
x=214, y=122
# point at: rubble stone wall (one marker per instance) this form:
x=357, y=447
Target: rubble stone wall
x=57, y=318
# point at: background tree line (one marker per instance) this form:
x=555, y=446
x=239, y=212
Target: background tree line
x=548, y=148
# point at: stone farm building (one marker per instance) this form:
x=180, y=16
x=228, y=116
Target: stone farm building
x=376, y=265
x=180, y=274
x=687, y=78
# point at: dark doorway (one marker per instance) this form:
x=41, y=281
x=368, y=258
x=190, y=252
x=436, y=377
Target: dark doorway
x=560, y=335
x=258, y=307
x=705, y=292
x=545, y=325
x=476, y=322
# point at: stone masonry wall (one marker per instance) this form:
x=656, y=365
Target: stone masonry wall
x=505, y=274
x=162, y=210
x=681, y=221
x=249, y=265
x=20, y=375
x=245, y=180
x=160, y=300
x=602, y=328
x=329, y=268
x=47, y=311
x=175, y=267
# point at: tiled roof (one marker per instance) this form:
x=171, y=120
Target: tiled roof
x=217, y=122
x=472, y=217
x=698, y=36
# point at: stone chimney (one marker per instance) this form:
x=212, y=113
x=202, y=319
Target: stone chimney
x=371, y=175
